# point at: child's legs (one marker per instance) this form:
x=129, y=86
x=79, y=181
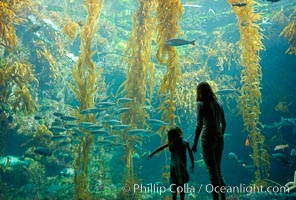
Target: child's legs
x=178, y=188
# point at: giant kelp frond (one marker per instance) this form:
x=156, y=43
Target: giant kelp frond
x=15, y=79
x=140, y=68
x=168, y=15
x=84, y=72
x=11, y=13
x=250, y=99
x=139, y=64
x=54, y=67
x=71, y=29
x=86, y=78
x=290, y=33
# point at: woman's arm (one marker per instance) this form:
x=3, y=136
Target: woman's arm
x=158, y=149
x=199, y=125
x=223, y=121
x=190, y=155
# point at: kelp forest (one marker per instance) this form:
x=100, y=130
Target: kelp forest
x=89, y=88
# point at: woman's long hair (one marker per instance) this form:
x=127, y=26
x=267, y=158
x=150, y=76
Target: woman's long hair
x=204, y=92
x=175, y=136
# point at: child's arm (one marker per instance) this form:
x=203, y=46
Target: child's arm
x=158, y=149
x=190, y=155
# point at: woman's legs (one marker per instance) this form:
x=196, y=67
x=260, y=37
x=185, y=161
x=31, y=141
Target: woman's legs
x=218, y=152
x=210, y=161
x=212, y=155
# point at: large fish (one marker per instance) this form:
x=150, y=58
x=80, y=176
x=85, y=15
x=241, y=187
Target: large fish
x=179, y=42
x=12, y=161
x=68, y=172
x=42, y=151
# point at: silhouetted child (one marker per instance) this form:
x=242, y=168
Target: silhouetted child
x=178, y=172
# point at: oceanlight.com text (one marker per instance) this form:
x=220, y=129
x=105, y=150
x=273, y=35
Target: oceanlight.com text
x=208, y=188
x=242, y=188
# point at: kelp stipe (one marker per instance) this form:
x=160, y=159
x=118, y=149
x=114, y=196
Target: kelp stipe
x=168, y=16
x=290, y=33
x=250, y=99
x=11, y=14
x=86, y=78
x=138, y=84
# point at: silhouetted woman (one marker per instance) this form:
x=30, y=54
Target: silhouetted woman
x=211, y=126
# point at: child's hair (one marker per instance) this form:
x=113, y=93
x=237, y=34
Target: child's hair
x=175, y=135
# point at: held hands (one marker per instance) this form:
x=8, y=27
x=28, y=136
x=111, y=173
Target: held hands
x=194, y=148
x=150, y=156
x=192, y=168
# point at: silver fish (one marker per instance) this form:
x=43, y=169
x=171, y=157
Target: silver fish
x=178, y=42
x=77, y=132
x=122, y=110
x=227, y=91
x=59, y=137
x=91, y=111
x=68, y=118
x=140, y=132
x=104, y=142
x=99, y=132
x=57, y=129
x=112, y=137
x=157, y=122
x=93, y=127
x=85, y=124
x=70, y=125
x=124, y=100
x=58, y=114
x=113, y=122
x=120, y=127
x=106, y=104
x=239, y=4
